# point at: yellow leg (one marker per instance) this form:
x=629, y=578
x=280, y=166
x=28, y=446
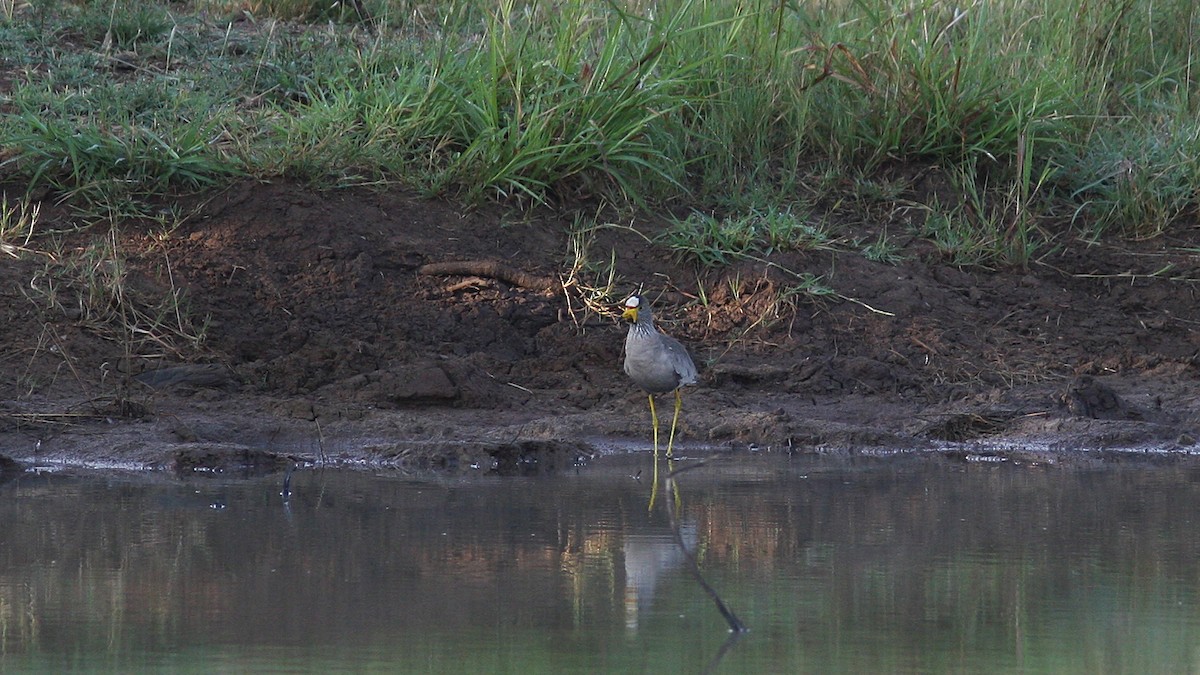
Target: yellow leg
x=654, y=490
x=654, y=422
x=674, y=421
x=674, y=485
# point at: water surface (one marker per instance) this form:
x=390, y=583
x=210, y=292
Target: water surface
x=873, y=565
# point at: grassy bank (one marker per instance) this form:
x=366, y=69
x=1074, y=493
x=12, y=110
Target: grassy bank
x=988, y=128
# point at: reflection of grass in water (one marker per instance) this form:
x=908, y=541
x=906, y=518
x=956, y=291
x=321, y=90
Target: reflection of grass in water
x=888, y=583
x=928, y=568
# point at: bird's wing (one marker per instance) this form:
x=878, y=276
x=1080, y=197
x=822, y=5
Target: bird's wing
x=685, y=368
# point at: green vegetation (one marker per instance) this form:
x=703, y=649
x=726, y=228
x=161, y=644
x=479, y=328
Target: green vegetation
x=1045, y=117
x=715, y=241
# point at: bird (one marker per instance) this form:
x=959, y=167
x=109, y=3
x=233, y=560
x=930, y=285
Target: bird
x=657, y=363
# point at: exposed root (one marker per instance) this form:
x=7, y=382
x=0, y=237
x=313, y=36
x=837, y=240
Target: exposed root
x=491, y=269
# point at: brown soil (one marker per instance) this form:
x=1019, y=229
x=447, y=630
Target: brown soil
x=326, y=340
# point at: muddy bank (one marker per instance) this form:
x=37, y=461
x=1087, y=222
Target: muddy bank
x=243, y=434
x=310, y=326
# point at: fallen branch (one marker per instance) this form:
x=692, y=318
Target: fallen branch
x=492, y=270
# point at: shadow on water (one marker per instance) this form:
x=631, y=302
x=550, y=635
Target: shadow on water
x=9, y=469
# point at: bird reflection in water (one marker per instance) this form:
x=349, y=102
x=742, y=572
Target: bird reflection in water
x=649, y=556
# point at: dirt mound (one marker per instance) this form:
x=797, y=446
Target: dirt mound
x=328, y=333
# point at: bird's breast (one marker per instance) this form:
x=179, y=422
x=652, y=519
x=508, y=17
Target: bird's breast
x=649, y=366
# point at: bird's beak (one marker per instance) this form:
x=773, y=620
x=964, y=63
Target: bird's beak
x=630, y=314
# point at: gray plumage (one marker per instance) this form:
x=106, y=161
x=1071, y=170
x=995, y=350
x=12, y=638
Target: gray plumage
x=658, y=363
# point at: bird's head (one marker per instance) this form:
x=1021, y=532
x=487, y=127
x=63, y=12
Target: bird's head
x=631, y=308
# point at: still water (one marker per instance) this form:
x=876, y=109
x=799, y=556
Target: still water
x=873, y=565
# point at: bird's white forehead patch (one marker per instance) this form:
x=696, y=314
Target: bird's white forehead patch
x=633, y=301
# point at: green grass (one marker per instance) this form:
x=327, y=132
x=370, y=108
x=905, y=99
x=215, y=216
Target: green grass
x=719, y=241
x=1051, y=116
x=883, y=249
x=96, y=162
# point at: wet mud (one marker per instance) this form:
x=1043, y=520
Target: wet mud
x=367, y=328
